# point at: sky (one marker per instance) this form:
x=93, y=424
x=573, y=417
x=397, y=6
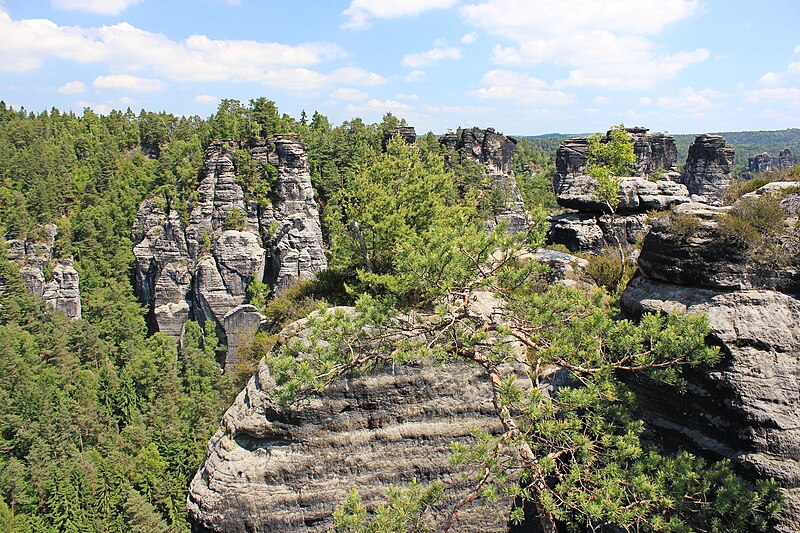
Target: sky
x=524, y=67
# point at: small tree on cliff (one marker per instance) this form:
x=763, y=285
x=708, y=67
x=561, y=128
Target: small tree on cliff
x=610, y=158
x=576, y=453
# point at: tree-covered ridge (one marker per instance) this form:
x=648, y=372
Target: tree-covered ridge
x=103, y=426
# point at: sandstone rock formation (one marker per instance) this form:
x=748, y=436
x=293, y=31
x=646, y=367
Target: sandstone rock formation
x=709, y=168
x=745, y=408
x=271, y=468
x=200, y=268
x=408, y=134
x=496, y=152
x=765, y=163
x=591, y=228
x=655, y=152
x=36, y=257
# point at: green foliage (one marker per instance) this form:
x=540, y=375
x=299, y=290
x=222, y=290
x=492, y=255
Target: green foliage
x=609, y=158
x=235, y=219
x=758, y=225
x=404, y=512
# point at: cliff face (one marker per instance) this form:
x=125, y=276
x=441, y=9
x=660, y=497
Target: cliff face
x=496, y=152
x=269, y=468
x=202, y=268
x=764, y=162
x=745, y=408
x=36, y=256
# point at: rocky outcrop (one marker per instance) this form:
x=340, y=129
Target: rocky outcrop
x=592, y=228
x=495, y=152
x=709, y=168
x=765, y=163
x=636, y=195
x=745, y=408
x=201, y=267
x=36, y=258
x=408, y=134
x=271, y=468
x=655, y=153
x=487, y=147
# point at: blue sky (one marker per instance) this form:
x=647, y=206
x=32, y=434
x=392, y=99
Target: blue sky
x=521, y=66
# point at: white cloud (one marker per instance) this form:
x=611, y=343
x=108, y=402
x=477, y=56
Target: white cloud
x=519, y=19
x=101, y=7
x=783, y=95
x=605, y=44
x=25, y=45
x=205, y=99
x=379, y=106
x=403, y=96
x=690, y=100
x=360, y=12
x=126, y=82
x=432, y=56
x=601, y=100
x=797, y=49
x=646, y=100
x=72, y=87
x=345, y=93
x=415, y=75
x=521, y=88
x=469, y=38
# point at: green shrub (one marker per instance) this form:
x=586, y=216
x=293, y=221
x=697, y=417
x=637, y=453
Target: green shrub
x=605, y=270
x=235, y=219
x=682, y=225
x=292, y=303
x=756, y=224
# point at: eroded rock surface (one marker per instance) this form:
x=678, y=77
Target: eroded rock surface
x=269, y=468
x=709, y=168
x=495, y=152
x=745, y=408
x=36, y=257
x=201, y=267
x=590, y=228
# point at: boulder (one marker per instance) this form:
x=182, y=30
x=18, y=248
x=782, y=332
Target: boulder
x=590, y=233
x=636, y=195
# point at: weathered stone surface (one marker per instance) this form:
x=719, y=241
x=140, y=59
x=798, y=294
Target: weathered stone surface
x=765, y=163
x=565, y=269
x=63, y=291
x=571, y=159
x=587, y=232
x=270, y=469
x=636, y=195
x=297, y=248
x=242, y=322
x=745, y=408
x=201, y=270
x=703, y=260
x=655, y=152
x=487, y=147
x=35, y=256
x=709, y=168
x=496, y=152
